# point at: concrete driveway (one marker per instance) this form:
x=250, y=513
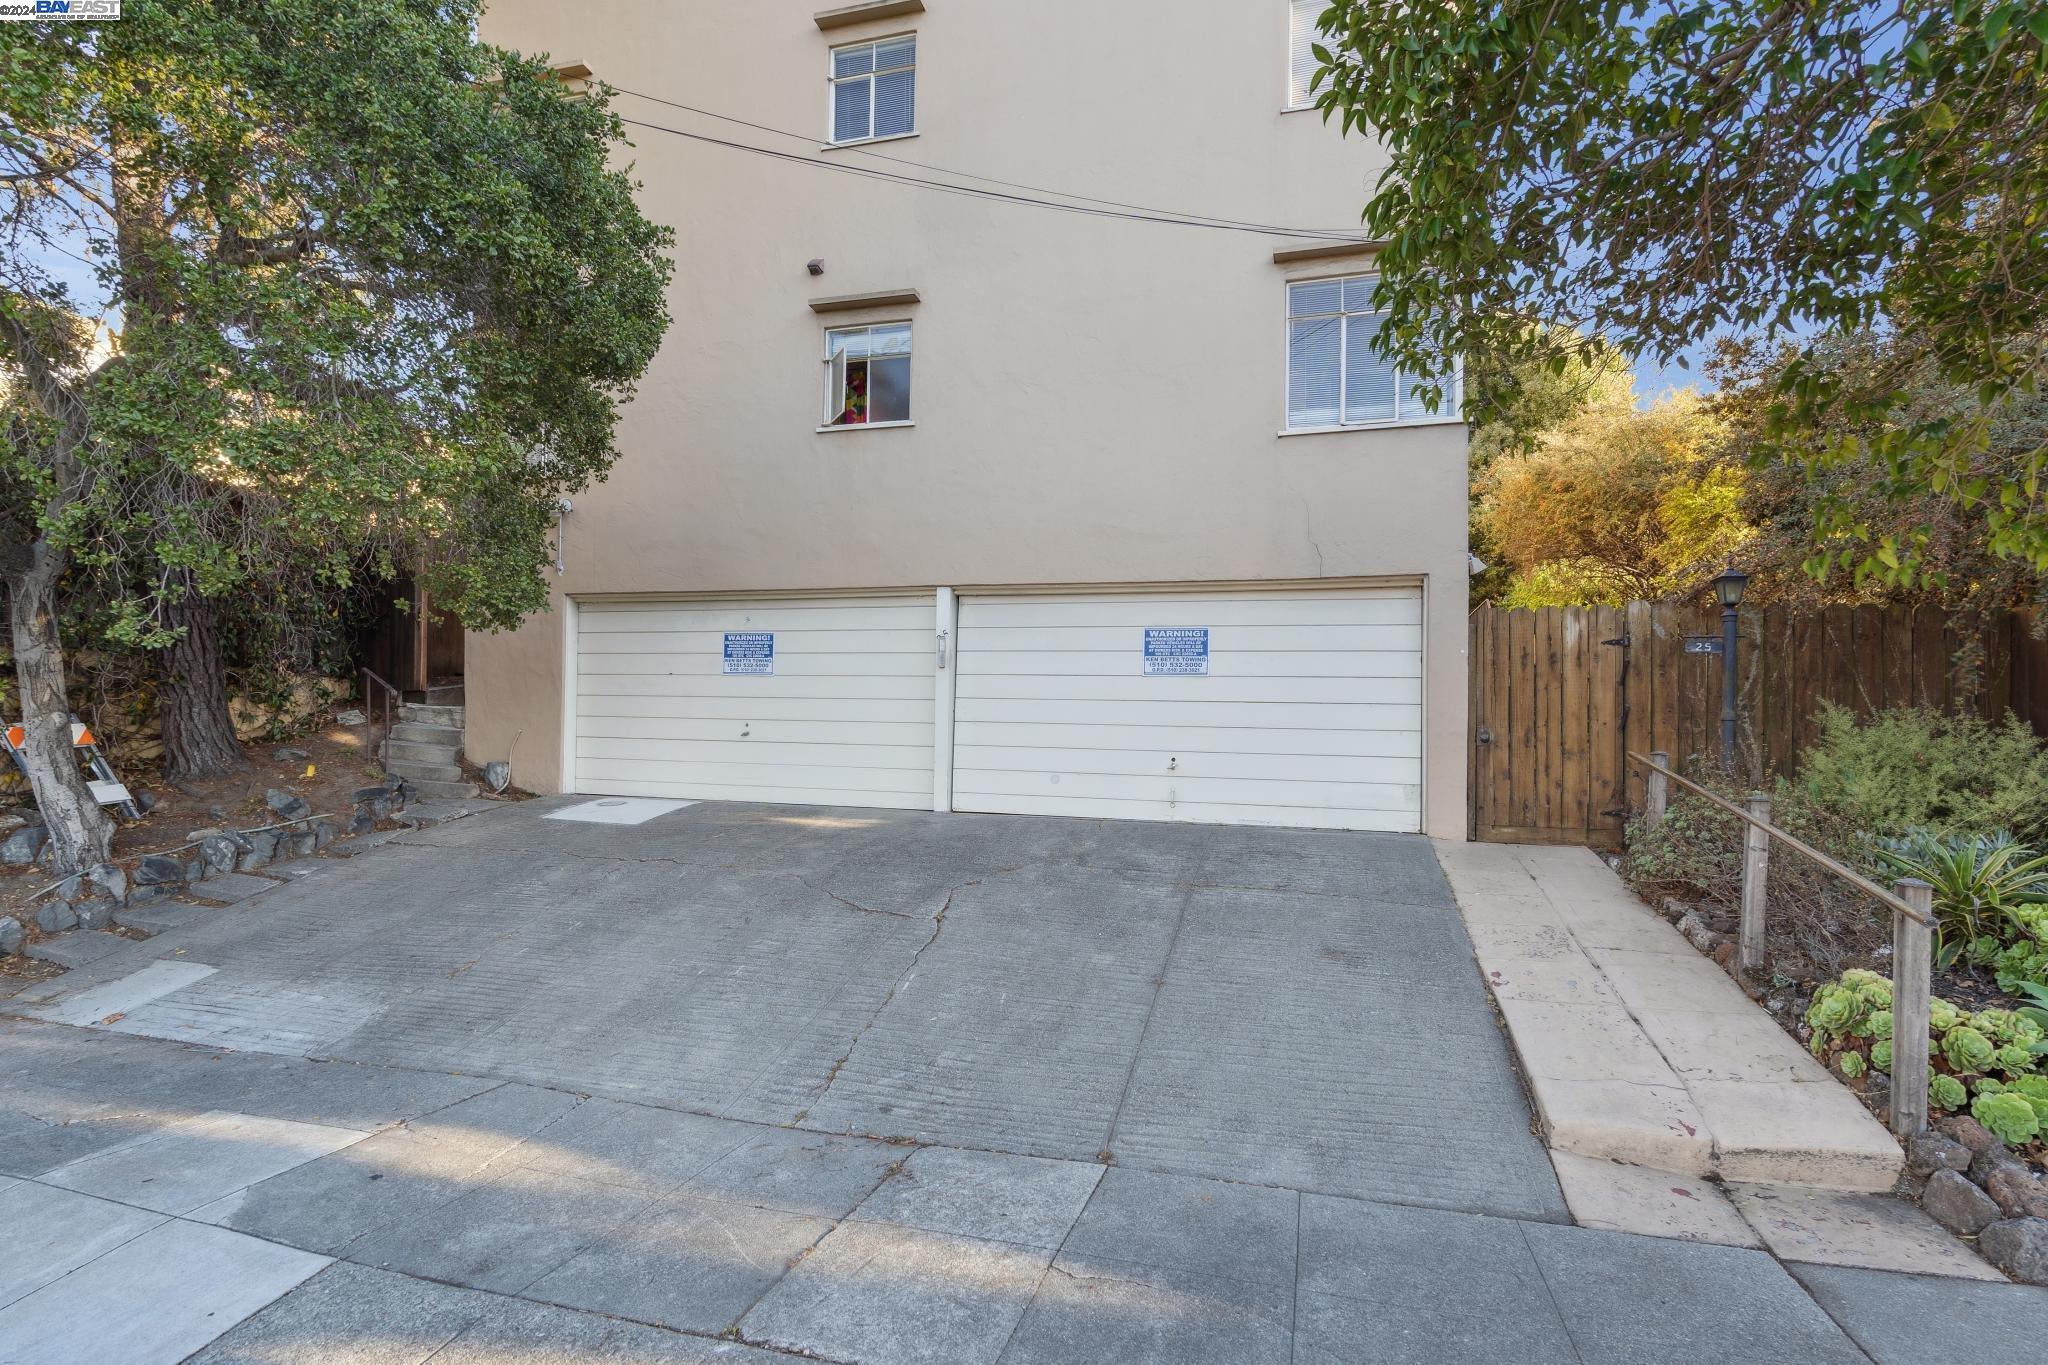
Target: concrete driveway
x=863, y=1086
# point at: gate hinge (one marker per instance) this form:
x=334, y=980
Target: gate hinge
x=1621, y=640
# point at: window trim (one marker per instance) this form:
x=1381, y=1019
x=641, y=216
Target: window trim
x=826, y=359
x=1452, y=413
x=833, y=79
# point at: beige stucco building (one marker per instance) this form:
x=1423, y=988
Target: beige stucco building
x=1012, y=507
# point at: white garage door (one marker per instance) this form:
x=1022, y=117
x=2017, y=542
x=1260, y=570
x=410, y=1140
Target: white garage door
x=1296, y=707
x=825, y=701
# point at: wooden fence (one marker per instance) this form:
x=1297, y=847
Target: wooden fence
x=1561, y=694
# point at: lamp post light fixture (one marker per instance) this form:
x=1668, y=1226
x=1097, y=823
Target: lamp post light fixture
x=1728, y=588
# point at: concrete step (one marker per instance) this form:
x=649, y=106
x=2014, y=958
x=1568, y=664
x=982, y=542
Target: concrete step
x=442, y=755
x=424, y=772
x=1639, y=1049
x=450, y=695
x=445, y=791
x=406, y=732
x=419, y=713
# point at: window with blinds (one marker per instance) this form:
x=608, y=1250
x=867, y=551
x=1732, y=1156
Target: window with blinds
x=874, y=89
x=867, y=375
x=1334, y=377
x=1302, y=37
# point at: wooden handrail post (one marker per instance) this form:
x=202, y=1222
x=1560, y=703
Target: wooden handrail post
x=1756, y=868
x=1912, y=996
x=1657, y=792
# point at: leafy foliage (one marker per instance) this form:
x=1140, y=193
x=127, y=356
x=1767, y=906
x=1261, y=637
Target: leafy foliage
x=1981, y=885
x=1614, y=504
x=373, y=286
x=1914, y=768
x=2007, y=1115
x=1660, y=173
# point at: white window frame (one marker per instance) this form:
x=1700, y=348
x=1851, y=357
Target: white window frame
x=826, y=423
x=1291, y=106
x=833, y=80
x=1452, y=411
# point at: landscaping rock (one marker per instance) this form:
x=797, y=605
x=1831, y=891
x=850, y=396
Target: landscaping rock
x=2018, y=1192
x=10, y=822
x=362, y=822
x=2019, y=1247
x=54, y=917
x=220, y=853
x=1952, y=1201
x=324, y=833
x=1969, y=1132
x=1932, y=1151
x=286, y=806
x=145, y=802
x=289, y=754
x=24, y=846
x=96, y=914
x=1992, y=1159
x=351, y=716
x=158, y=870
x=261, y=852
x=12, y=935
x=110, y=879
x=303, y=845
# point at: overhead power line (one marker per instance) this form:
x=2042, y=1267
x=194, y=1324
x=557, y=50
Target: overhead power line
x=1176, y=215
x=1063, y=202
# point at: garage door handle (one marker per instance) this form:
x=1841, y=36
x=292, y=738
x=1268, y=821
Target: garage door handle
x=942, y=650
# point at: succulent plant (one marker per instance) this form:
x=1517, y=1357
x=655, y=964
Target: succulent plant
x=1946, y=1092
x=2008, y=1115
x=1881, y=1054
x=1966, y=1049
x=1880, y=1024
x=1835, y=1010
x=1851, y=1064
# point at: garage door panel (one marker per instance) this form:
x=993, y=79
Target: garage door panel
x=601, y=619
x=1128, y=639
x=1307, y=711
x=1169, y=691
x=1116, y=663
x=769, y=794
x=1196, y=812
x=1173, y=788
x=738, y=708
x=844, y=719
x=911, y=734
x=1271, y=715
x=820, y=778
x=687, y=686
x=1375, y=607
x=1405, y=772
x=912, y=757
x=806, y=643
x=1183, y=739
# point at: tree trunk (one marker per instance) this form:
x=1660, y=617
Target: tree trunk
x=198, y=733
x=81, y=834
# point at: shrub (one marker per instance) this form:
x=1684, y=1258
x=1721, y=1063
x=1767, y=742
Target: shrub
x=1695, y=853
x=1911, y=767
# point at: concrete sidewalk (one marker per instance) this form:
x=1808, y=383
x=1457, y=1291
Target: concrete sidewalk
x=1639, y=1049
x=172, y=1200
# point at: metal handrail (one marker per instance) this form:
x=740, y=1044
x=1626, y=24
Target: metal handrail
x=1913, y=929
x=388, y=695
x=1888, y=899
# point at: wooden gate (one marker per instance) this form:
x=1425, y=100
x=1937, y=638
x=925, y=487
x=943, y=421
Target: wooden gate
x=1560, y=694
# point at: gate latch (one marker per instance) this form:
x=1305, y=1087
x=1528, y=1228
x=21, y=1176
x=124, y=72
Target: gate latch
x=942, y=650
x=1485, y=735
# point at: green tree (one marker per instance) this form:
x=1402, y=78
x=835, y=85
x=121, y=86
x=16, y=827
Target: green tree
x=373, y=289
x=1660, y=174
x=1615, y=504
